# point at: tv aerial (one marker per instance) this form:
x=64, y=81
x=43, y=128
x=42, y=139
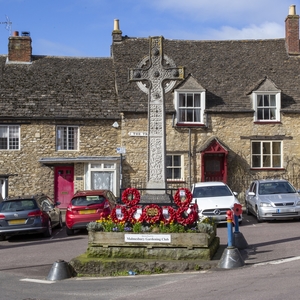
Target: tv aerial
x=8, y=24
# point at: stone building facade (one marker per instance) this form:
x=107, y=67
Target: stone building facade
x=68, y=124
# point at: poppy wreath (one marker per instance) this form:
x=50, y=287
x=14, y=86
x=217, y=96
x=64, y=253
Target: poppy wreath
x=114, y=216
x=131, y=214
x=131, y=197
x=171, y=213
x=151, y=214
x=184, y=217
x=183, y=200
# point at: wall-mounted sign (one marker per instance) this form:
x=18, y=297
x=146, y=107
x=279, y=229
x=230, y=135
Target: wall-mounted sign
x=138, y=133
x=121, y=150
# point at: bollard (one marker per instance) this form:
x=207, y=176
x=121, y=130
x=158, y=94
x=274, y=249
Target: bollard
x=238, y=239
x=231, y=257
x=60, y=270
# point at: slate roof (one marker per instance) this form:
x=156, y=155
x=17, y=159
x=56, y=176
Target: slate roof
x=227, y=70
x=98, y=88
x=58, y=87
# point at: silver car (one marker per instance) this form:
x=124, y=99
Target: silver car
x=272, y=199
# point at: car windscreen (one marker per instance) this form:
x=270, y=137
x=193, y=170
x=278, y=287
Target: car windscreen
x=275, y=188
x=18, y=205
x=211, y=191
x=87, y=200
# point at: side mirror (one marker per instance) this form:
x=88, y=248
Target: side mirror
x=251, y=194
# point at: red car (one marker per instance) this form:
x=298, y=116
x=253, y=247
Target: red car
x=88, y=206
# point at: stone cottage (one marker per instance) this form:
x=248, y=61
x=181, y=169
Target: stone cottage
x=68, y=123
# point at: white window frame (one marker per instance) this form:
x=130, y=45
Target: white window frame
x=101, y=166
x=277, y=106
x=60, y=141
x=173, y=167
x=201, y=108
x=265, y=156
x=12, y=133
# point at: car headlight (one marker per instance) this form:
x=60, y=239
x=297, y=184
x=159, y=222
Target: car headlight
x=298, y=203
x=265, y=204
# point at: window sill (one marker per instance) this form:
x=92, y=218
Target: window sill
x=190, y=125
x=266, y=122
x=175, y=181
x=267, y=169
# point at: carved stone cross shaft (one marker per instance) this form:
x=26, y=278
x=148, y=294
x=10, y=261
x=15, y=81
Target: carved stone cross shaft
x=153, y=70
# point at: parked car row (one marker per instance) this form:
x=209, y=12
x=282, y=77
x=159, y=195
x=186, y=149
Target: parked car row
x=271, y=199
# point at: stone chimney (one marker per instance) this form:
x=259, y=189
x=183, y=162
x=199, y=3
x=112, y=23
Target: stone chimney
x=117, y=33
x=292, y=32
x=19, y=47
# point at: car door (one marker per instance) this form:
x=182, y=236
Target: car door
x=252, y=199
x=48, y=206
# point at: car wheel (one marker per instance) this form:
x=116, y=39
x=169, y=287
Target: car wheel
x=247, y=209
x=69, y=231
x=60, y=223
x=48, y=232
x=258, y=217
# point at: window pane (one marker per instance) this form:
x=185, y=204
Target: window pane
x=176, y=160
x=197, y=102
x=276, y=147
x=266, y=148
x=177, y=173
x=189, y=113
x=272, y=100
x=256, y=161
x=259, y=100
x=266, y=161
x=197, y=115
x=190, y=102
x=277, y=161
x=256, y=148
x=260, y=114
x=182, y=100
x=266, y=100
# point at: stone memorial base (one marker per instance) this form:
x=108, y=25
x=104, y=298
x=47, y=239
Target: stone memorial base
x=117, y=253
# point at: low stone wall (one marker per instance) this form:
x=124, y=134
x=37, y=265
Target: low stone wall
x=115, y=253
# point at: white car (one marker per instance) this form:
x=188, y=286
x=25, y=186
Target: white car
x=214, y=199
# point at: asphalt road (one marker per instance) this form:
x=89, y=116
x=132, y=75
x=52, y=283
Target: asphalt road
x=271, y=271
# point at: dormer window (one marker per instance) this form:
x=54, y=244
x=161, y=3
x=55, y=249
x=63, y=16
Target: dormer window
x=190, y=106
x=267, y=107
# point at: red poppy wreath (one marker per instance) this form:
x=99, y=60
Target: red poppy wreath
x=186, y=216
x=151, y=214
x=119, y=214
x=131, y=197
x=168, y=214
x=183, y=197
x=135, y=214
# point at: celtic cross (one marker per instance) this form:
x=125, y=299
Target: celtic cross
x=161, y=74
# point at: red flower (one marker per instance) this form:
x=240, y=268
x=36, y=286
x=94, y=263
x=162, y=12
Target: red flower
x=183, y=197
x=131, y=197
x=132, y=214
x=119, y=214
x=171, y=214
x=151, y=214
x=186, y=215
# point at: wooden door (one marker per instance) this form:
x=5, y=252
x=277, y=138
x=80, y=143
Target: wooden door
x=214, y=167
x=64, y=185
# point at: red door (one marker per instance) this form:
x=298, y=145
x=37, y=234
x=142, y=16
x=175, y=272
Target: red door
x=214, y=167
x=64, y=185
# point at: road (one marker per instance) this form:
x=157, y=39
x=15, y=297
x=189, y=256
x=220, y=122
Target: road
x=271, y=271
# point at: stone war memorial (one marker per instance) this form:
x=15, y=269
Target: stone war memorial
x=153, y=231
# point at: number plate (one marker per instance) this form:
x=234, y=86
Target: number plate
x=87, y=211
x=17, y=222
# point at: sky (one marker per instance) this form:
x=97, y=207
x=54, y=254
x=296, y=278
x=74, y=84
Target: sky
x=83, y=28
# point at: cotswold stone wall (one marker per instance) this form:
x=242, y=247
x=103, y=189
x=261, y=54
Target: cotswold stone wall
x=99, y=138
x=28, y=175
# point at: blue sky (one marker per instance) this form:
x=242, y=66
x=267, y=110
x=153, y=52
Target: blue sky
x=83, y=27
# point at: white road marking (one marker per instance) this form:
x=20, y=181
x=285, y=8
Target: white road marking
x=277, y=262
x=37, y=280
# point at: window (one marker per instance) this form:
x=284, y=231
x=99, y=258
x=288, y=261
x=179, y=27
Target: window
x=10, y=137
x=190, y=106
x=67, y=138
x=174, y=167
x=267, y=107
x=266, y=154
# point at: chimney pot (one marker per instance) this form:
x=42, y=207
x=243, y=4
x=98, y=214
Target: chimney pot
x=292, y=10
x=16, y=33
